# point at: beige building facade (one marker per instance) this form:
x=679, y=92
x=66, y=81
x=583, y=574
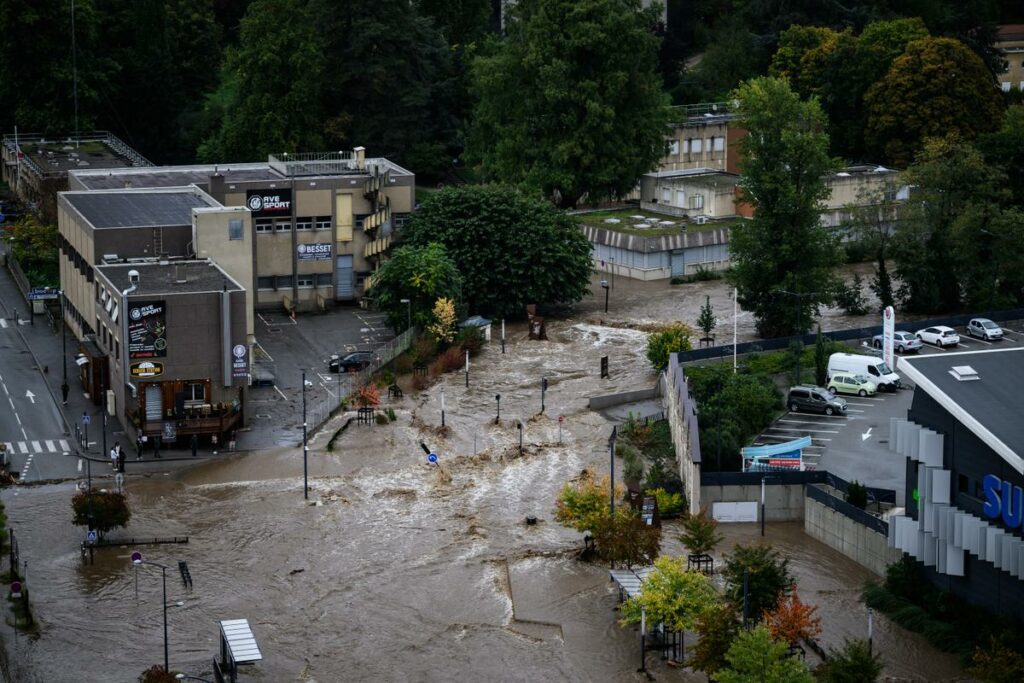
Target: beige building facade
x=1010, y=40
x=703, y=136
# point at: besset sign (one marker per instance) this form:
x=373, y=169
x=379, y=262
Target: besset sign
x=1003, y=500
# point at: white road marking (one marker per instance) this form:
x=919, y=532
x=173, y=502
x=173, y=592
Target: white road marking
x=49, y=446
x=802, y=429
x=30, y=396
x=37, y=447
x=3, y=323
x=263, y=350
x=64, y=445
x=866, y=435
x=24, y=448
x=280, y=392
x=18, y=418
x=79, y=464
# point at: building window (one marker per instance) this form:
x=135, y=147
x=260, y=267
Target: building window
x=680, y=198
x=283, y=224
x=323, y=222
x=284, y=281
x=697, y=201
x=1006, y=86
x=323, y=280
x=235, y=229
x=673, y=147
x=696, y=146
x=264, y=225
x=305, y=281
x=195, y=391
x=265, y=282
x=666, y=195
x=719, y=144
x=304, y=223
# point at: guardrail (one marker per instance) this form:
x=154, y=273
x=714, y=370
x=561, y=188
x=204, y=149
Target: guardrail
x=777, y=343
x=841, y=506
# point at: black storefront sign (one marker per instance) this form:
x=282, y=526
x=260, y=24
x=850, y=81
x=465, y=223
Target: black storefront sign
x=147, y=329
x=272, y=203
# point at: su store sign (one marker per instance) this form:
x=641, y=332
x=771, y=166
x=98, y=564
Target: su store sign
x=1003, y=501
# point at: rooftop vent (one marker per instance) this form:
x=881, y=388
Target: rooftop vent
x=964, y=373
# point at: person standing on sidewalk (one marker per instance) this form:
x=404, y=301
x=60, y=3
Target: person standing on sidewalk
x=64, y=390
x=115, y=455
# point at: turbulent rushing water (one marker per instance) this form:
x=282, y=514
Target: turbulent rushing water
x=403, y=571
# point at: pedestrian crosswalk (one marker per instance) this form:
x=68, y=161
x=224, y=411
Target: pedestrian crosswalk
x=33, y=447
x=5, y=323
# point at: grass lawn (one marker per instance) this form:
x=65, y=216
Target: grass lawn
x=597, y=220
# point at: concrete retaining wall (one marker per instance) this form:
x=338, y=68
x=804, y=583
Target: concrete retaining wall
x=609, y=400
x=864, y=546
x=782, y=503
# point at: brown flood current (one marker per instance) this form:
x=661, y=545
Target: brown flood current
x=394, y=569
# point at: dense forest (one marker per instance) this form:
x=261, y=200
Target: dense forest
x=232, y=80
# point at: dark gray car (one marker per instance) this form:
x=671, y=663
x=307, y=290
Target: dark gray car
x=352, y=362
x=813, y=399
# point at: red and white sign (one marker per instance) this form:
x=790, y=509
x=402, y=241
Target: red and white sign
x=888, y=330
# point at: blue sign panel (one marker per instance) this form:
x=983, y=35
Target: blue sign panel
x=1003, y=501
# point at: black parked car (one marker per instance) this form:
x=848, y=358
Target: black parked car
x=815, y=400
x=352, y=362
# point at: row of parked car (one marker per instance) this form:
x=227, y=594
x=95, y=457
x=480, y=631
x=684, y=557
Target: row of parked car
x=848, y=373
x=941, y=335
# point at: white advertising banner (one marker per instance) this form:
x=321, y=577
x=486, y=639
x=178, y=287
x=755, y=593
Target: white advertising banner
x=888, y=329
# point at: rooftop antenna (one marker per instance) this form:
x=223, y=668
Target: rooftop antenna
x=74, y=70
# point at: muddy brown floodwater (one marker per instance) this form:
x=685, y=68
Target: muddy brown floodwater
x=395, y=569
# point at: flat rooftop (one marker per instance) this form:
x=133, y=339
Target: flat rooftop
x=989, y=405
x=175, y=277
x=138, y=209
x=178, y=176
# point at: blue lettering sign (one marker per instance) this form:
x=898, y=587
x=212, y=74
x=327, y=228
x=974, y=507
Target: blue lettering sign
x=1003, y=500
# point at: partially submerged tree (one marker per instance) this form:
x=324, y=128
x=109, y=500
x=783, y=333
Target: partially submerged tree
x=718, y=628
x=671, y=595
x=100, y=510
x=707, y=322
x=626, y=538
x=755, y=657
x=700, y=533
x=674, y=338
x=792, y=620
x=768, y=578
x=420, y=274
x=855, y=663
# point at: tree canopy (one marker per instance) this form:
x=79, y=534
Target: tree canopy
x=755, y=657
x=511, y=248
x=768, y=578
x=935, y=88
x=782, y=259
x=421, y=274
x=671, y=595
x=570, y=102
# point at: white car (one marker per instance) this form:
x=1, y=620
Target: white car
x=983, y=328
x=940, y=335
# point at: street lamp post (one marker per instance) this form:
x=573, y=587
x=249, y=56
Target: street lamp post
x=305, y=442
x=611, y=460
x=604, y=284
x=137, y=560
x=408, y=312
x=497, y=400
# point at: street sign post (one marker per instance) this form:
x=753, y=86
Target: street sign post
x=432, y=458
x=91, y=536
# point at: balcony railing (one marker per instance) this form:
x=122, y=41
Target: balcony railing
x=378, y=217
x=196, y=421
x=377, y=246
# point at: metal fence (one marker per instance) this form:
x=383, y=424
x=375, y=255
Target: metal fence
x=782, y=478
x=841, y=506
x=724, y=351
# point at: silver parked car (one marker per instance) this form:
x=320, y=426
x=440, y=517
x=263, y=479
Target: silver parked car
x=902, y=342
x=983, y=328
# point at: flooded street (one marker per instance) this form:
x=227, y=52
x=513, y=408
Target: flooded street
x=395, y=569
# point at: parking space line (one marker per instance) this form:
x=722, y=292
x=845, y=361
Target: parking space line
x=981, y=341
x=280, y=392
x=816, y=416
x=802, y=430
x=810, y=422
x=853, y=410
x=851, y=403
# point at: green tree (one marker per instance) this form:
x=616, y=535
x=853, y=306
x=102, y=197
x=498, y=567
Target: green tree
x=671, y=595
x=1005, y=149
x=100, y=510
x=937, y=87
x=821, y=354
x=34, y=245
x=512, y=249
x=955, y=206
x=583, y=503
x=782, y=259
x=626, y=538
x=271, y=86
x=570, y=102
x=673, y=339
x=768, y=578
x=390, y=87
x=718, y=629
x=707, y=321
x=420, y=274
x=755, y=657
x=872, y=223
x=700, y=533
x=733, y=55
x=854, y=663
x=997, y=663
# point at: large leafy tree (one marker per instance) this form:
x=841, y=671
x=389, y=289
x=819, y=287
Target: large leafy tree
x=782, y=259
x=718, y=629
x=422, y=275
x=1005, y=149
x=511, y=248
x=755, y=657
x=936, y=87
x=36, y=75
x=570, y=102
x=855, y=663
x=672, y=596
x=955, y=208
x=269, y=99
x=390, y=85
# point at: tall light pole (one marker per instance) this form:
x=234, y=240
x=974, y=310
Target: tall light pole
x=408, y=313
x=611, y=458
x=137, y=560
x=305, y=442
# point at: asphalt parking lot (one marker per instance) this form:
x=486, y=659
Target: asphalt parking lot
x=284, y=347
x=855, y=446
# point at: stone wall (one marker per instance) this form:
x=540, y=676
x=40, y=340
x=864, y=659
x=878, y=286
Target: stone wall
x=864, y=546
x=782, y=503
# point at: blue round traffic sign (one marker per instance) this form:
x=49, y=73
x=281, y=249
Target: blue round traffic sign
x=432, y=458
x=91, y=537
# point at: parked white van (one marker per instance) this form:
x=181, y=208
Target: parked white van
x=872, y=367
